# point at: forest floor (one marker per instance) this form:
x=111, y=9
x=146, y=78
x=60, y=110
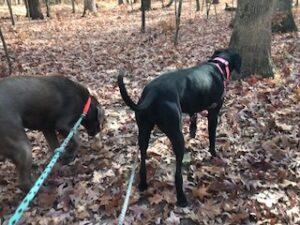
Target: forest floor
x=258, y=138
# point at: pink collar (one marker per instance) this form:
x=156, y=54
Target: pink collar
x=225, y=63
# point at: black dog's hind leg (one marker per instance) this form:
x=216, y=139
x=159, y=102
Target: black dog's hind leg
x=171, y=126
x=145, y=128
x=212, y=126
x=193, y=125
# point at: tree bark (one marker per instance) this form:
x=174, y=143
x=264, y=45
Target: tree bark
x=169, y=3
x=6, y=52
x=283, y=20
x=89, y=5
x=251, y=37
x=11, y=13
x=147, y=4
x=73, y=6
x=143, y=15
x=35, y=10
x=48, y=8
x=178, y=15
x=197, y=5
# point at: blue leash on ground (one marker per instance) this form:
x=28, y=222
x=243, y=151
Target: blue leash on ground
x=126, y=200
x=39, y=182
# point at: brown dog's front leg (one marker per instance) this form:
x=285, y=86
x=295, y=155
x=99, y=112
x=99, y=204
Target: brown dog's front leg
x=71, y=150
x=22, y=157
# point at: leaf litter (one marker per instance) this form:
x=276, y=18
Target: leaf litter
x=258, y=138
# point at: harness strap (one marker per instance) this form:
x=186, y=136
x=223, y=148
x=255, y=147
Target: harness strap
x=225, y=63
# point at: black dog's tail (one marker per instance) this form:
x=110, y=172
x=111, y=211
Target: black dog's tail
x=133, y=106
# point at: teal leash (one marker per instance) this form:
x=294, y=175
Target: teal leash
x=39, y=182
x=128, y=192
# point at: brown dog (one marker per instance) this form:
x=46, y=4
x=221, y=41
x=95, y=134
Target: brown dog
x=49, y=104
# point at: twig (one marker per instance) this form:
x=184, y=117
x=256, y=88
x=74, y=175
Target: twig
x=6, y=52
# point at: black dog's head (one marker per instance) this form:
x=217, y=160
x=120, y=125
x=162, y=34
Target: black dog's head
x=94, y=119
x=232, y=57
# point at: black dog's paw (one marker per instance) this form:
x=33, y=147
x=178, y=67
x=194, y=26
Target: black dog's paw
x=143, y=186
x=182, y=203
x=192, y=134
x=213, y=153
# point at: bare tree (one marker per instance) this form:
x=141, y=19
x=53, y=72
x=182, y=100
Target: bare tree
x=251, y=36
x=73, y=6
x=283, y=20
x=197, y=5
x=34, y=10
x=143, y=9
x=47, y=8
x=169, y=3
x=147, y=4
x=6, y=52
x=11, y=13
x=89, y=5
x=177, y=15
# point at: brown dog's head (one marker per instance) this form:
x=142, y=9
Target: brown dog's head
x=94, y=119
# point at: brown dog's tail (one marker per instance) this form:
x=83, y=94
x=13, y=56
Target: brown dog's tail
x=133, y=106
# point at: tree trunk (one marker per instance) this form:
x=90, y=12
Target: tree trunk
x=251, y=37
x=177, y=15
x=89, y=5
x=169, y=3
x=73, y=6
x=6, y=52
x=147, y=4
x=47, y=8
x=35, y=10
x=143, y=16
x=283, y=20
x=11, y=13
x=197, y=5
x=120, y=2
x=27, y=8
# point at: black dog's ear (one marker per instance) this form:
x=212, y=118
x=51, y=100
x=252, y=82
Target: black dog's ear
x=218, y=52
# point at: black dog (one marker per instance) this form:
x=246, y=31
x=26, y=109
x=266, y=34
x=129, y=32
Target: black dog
x=49, y=104
x=182, y=91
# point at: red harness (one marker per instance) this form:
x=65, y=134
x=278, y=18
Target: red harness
x=87, y=106
x=226, y=64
